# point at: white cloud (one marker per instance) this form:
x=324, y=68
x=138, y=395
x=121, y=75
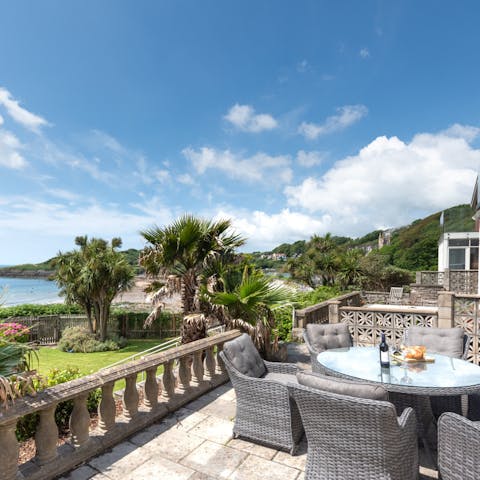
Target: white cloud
x=243, y=117
x=1, y=120
x=391, y=182
x=302, y=66
x=364, y=53
x=346, y=116
x=253, y=169
x=266, y=231
x=42, y=228
x=186, y=179
x=19, y=114
x=10, y=156
x=310, y=159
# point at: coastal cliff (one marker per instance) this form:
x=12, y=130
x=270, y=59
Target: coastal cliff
x=12, y=272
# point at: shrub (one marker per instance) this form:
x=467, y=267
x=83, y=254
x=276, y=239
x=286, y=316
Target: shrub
x=27, y=425
x=80, y=340
x=13, y=332
x=30, y=310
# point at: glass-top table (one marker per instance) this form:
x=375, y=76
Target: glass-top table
x=445, y=376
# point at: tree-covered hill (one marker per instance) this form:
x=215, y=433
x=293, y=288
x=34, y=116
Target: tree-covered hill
x=413, y=247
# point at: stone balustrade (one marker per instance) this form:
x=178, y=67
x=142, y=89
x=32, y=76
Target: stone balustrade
x=200, y=369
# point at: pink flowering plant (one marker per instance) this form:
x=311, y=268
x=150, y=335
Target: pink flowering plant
x=13, y=332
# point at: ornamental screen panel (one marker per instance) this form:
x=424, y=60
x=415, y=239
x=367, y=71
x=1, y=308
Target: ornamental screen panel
x=366, y=325
x=466, y=316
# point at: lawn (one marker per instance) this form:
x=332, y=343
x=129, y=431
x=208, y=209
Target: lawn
x=51, y=357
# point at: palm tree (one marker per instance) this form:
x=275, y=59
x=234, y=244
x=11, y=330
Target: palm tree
x=351, y=271
x=92, y=276
x=183, y=252
x=250, y=304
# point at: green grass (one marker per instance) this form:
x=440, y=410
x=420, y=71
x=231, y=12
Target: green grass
x=51, y=357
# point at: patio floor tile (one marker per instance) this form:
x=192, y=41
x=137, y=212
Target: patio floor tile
x=213, y=459
x=257, y=468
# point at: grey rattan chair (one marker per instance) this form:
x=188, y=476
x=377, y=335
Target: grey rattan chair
x=266, y=413
x=458, y=448
x=352, y=437
x=321, y=337
x=452, y=342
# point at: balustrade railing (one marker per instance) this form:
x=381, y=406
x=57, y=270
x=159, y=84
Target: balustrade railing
x=320, y=313
x=200, y=369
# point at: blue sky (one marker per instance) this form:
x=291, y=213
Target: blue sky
x=290, y=118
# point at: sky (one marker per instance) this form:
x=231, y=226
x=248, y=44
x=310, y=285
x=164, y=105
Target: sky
x=289, y=118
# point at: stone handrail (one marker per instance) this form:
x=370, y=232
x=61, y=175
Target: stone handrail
x=200, y=369
x=320, y=313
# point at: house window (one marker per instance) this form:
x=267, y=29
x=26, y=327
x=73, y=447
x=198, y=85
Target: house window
x=473, y=258
x=456, y=260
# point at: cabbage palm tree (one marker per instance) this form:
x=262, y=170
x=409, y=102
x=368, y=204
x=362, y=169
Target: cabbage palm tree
x=92, y=276
x=182, y=252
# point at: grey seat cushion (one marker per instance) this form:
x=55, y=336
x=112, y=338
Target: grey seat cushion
x=325, y=337
x=244, y=356
x=446, y=341
x=283, y=378
x=342, y=387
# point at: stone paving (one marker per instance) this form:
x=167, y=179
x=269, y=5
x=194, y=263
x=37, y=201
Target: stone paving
x=195, y=443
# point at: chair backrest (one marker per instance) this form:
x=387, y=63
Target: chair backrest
x=243, y=355
x=343, y=431
x=396, y=294
x=445, y=341
x=326, y=336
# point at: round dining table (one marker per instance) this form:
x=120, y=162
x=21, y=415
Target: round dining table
x=409, y=383
x=443, y=376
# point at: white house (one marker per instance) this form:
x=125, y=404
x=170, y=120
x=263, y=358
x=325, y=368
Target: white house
x=458, y=251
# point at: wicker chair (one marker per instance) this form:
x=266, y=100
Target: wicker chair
x=265, y=411
x=321, y=337
x=452, y=342
x=458, y=448
x=351, y=437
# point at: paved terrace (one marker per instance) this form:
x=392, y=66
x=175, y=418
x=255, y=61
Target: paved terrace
x=195, y=443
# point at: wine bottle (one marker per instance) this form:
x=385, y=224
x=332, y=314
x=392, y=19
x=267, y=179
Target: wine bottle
x=384, y=357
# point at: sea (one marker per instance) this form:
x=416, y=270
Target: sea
x=16, y=291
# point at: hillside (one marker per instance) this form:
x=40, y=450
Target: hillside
x=413, y=247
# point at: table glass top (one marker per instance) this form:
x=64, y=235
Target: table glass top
x=364, y=363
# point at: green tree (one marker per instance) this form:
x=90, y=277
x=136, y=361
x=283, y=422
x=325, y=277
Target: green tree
x=249, y=306
x=183, y=252
x=351, y=271
x=92, y=276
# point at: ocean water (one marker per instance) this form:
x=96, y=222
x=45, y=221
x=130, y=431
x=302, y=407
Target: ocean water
x=15, y=291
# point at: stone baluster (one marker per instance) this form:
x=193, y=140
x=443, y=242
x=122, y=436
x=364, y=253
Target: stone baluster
x=184, y=374
x=8, y=451
x=150, y=389
x=80, y=420
x=106, y=408
x=221, y=370
x=168, y=380
x=46, y=436
x=210, y=363
x=198, y=367
x=130, y=396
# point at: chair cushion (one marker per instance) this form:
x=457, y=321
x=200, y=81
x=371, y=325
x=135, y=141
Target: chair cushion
x=446, y=341
x=244, y=356
x=342, y=387
x=325, y=337
x=283, y=378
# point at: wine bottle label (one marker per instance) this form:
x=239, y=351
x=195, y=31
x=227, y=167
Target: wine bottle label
x=384, y=357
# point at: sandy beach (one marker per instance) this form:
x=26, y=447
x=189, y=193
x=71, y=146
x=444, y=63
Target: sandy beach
x=138, y=296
